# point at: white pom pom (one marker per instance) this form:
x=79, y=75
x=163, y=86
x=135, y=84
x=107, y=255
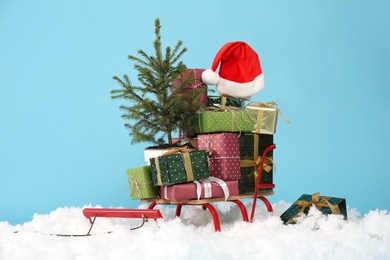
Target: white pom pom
x=210, y=77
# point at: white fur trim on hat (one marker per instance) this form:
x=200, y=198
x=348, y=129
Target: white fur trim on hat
x=240, y=90
x=210, y=77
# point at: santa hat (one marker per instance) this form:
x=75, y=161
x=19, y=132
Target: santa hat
x=240, y=73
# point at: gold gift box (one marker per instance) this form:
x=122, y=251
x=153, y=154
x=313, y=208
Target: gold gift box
x=267, y=117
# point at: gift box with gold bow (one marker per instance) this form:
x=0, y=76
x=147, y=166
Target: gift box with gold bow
x=266, y=117
x=252, y=147
x=179, y=165
x=327, y=205
x=141, y=183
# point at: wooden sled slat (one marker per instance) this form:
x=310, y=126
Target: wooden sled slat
x=204, y=201
x=121, y=213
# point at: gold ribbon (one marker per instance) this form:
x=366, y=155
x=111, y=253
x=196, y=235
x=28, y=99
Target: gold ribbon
x=271, y=104
x=188, y=166
x=259, y=120
x=223, y=101
x=175, y=150
x=184, y=151
x=268, y=163
x=318, y=202
x=159, y=178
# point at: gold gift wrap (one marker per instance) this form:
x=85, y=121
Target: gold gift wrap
x=266, y=118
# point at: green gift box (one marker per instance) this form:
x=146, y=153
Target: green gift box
x=266, y=117
x=252, y=147
x=179, y=168
x=327, y=205
x=222, y=101
x=141, y=183
x=229, y=120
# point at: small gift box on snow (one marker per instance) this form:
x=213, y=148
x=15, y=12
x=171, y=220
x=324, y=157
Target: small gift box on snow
x=141, y=183
x=223, y=151
x=207, y=188
x=179, y=165
x=327, y=205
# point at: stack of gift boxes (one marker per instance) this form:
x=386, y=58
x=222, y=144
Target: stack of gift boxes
x=230, y=138
x=229, y=141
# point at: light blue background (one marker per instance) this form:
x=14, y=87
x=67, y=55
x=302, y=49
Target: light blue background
x=63, y=143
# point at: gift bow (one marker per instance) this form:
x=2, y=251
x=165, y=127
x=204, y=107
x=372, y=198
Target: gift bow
x=207, y=187
x=184, y=152
x=318, y=202
x=175, y=150
x=267, y=165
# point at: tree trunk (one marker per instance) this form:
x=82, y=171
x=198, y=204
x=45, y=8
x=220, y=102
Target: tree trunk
x=169, y=134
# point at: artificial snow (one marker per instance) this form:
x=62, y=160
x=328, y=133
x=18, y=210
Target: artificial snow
x=192, y=236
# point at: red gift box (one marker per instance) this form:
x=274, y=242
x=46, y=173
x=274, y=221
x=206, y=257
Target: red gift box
x=196, y=83
x=204, y=189
x=223, y=154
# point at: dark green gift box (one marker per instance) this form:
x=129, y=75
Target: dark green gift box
x=252, y=147
x=327, y=205
x=179, y=168
x=217, y=101
x=141, y=183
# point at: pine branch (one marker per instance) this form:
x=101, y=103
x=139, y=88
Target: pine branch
x=156, y=111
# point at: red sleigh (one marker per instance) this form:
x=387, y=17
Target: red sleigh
x=151, y=213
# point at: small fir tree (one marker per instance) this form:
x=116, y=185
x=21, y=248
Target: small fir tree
x=156, y=109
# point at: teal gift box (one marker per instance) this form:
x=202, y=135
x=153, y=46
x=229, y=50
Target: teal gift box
x=141, y=183
x=179, y=167
x=327, y=205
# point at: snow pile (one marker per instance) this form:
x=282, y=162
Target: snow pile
x=192, y=236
